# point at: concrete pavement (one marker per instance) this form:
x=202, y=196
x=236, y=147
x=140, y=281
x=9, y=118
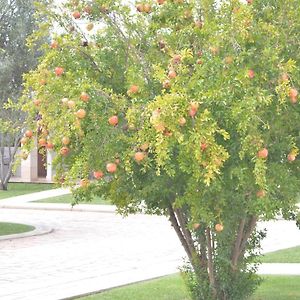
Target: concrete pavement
x=87, y=251
x=279, y=269
x=94, y=250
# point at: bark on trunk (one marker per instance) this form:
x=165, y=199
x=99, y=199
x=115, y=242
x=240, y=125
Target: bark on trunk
x=211, y=273
x=3, y=187
x=244, y=232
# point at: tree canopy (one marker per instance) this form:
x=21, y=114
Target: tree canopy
x=184, y=108
x=16, y=24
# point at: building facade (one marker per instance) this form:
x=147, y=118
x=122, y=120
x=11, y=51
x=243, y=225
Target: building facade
x=36, y=168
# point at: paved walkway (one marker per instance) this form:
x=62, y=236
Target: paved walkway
x=94, y=250
x=27, y=202
x=87, y=251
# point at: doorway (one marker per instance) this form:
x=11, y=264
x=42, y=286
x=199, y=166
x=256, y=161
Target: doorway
x=42, y=165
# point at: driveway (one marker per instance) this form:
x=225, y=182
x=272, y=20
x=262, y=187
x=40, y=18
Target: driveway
x=92, y=251
x=86, y=252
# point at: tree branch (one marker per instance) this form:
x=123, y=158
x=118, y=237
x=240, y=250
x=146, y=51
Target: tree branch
x=251, y=226
x=176, y=226
x=236, y=251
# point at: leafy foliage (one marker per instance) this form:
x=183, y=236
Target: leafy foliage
x=192, y=112
x=16, y=24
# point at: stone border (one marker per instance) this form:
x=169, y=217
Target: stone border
x=39, y=230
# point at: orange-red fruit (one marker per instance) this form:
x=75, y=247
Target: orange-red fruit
x=111, y=167
x=49, y=145
x=172, y=74
x=285, y=77
x=29, y=133
x=65, y=140
x=98, y=174
x=198, y=24
x=194, y=106
x=76, y=14
x=160, y=2
x=42, y=142
x=133, y=89
x=89, y=26
x=144, y=147
x=192, y=112
x=71, y=104
x=214, y=50
x=139, y=156
x=251, y=74
x=54, y=45
x=203, y=146
x=81, y=113
x=45, y=131
x=166, y=84
x=84, y=97
x=37, y=102
x=199, y=61
x=293, y=95
x=168, y=133
x=64, y=151
x=87, y=9
x=196, y=226
x=176, y=59
x=263, y=153
x=160, y=127
x=43, y=82
x=84, y=182
x=219, y=227
x=291, y=157
x=249, y=1
x=104, y=9
x=59, y=71
x=228, y=60
x=260, y=194
x=182, y=121
x=140, y=7
x=114, y=120
x=187, y=13
x=147, y=8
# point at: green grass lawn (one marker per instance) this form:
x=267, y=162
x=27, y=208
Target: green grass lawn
x=290, y=255
x=17, y=189
x=165, y=288
x=279, y=288
x=69, y=199
x=12, y=228
x=172, y=288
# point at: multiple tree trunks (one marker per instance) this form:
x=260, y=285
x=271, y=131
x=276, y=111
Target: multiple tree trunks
x=202, y=256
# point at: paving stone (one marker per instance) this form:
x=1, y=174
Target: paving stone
x=93, y=250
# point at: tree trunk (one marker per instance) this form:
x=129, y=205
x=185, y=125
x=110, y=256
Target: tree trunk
x=211, y=270
x=3, y=186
